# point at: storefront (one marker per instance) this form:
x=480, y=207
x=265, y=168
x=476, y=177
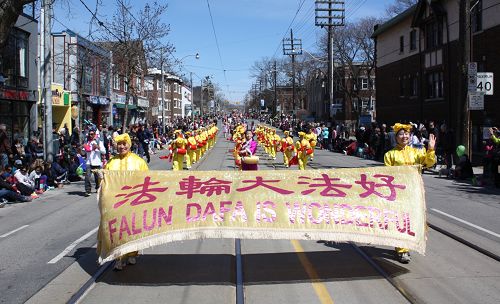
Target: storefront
x=97, y=110
x=16, y=107
x=142, y=109
x=118, y=111
x=61, y=108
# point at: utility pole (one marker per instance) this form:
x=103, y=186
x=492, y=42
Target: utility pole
x=275, y=89
x=464, y=34
x=162, y=98
x=192, y=96
x=330, y=13
x=292, y=47
x=46, y=77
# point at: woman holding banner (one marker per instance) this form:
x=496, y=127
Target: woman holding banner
x=403, y=154
x=125, y=160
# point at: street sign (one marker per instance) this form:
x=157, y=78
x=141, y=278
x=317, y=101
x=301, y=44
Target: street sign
x=472, y=76
x=485, y=83
x=476, y=101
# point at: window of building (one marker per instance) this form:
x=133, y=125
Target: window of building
x=402, y=86
x=372, y=79
x=363, y=83
x=116, y=82
x=413, y=40
x=125, y=84
x=401, y=44
x=477, y=16
x=414, y=85
x=167, y=87
x=433, y=34
x=435, y=85
x=103, y=84
x=138, y=84
x=14, y=60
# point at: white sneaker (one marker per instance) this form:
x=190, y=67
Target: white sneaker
x=404, y=257
x=131, y=260
x=119, y=265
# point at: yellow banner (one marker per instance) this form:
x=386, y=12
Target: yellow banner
x=378, y=205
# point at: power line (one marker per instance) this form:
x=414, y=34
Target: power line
x=216, y=40
x=286, y=32
x=101, y=24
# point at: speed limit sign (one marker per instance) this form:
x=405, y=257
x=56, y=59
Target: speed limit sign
x=485, y=83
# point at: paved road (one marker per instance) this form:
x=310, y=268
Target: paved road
x=273, y=271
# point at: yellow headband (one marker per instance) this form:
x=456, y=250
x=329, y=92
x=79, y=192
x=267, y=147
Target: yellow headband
x=302, y=134
x=399, y=126
x=287, y=132
x=123, y=137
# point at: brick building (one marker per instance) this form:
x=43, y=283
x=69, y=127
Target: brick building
x=418, y=71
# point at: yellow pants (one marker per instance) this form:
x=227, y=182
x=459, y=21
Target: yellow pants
x=192, y=155
x=287, y=155
x=178, y=163
x=188, y=160
x=302, y=162
x=198, y=154
x=273, y=151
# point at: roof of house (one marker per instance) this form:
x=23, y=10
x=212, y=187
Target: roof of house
x=381, y=28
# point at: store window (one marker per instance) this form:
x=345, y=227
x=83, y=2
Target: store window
x=14, y=60
x=435, y=85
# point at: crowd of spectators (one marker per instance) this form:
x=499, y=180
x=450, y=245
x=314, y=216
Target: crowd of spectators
x=77, y=155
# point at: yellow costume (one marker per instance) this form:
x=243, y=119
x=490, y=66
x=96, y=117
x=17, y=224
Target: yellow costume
x=313, y=140
x=303, y=147
x=179, y=151
x=191, y=150
x=400, y=156
x=287, y=148
x=127, y=162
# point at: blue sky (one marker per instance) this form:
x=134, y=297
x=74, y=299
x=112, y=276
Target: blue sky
x=247, y=31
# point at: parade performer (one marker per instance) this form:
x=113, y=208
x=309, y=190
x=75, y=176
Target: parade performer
x=275, y=142
x=404, y=154
x=287, y=148
x=313, y=140
x=204, y=139
x=303, y=148
x=125, y=160
x=191, y=150
x=249, y=161
x=199, y=143
x=179, y=151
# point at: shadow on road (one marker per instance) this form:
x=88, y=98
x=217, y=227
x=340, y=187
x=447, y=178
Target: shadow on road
x=266, y=268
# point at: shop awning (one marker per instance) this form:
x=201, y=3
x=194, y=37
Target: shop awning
x=122, y=106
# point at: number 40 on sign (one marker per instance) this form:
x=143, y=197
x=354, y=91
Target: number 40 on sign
x=485, y=83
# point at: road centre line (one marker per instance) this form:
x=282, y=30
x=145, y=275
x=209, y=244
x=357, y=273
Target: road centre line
x=72, y=246
x=465, y=222
x=318, y=286
x=13, y=231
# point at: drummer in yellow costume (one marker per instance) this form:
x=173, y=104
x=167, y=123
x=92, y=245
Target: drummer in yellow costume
x=275, y=142
x=210, y=135
x=404, y=154
x=313, y=140
x=191, y=150
x=204, y=139
x=287, y=148
x=303, y=148
x=179, y=151
x=124, y=161
x=199, y=144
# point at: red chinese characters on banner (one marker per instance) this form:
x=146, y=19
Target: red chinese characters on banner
x=329, y=188
x=143, y=195
x=260, y=182
x=192, y=185
x=370, y=187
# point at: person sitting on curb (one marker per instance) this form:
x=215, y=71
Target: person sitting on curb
x=463, y=169
x=9, y=194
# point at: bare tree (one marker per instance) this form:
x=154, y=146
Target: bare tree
x=135, y=42
x=9, y=12
x=399, y=6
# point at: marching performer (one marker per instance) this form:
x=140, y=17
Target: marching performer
x=191, y=150
x=313, y=140
x=303, y=148
x=249, y=161
x=404, y=154
x=179, y=151
x=287, y=148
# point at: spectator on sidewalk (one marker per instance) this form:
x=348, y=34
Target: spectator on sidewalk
x=95, y=150
x=495, y=138
x=9, y=194
x=24, y=184
x=5, y=146
x=463, y=169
